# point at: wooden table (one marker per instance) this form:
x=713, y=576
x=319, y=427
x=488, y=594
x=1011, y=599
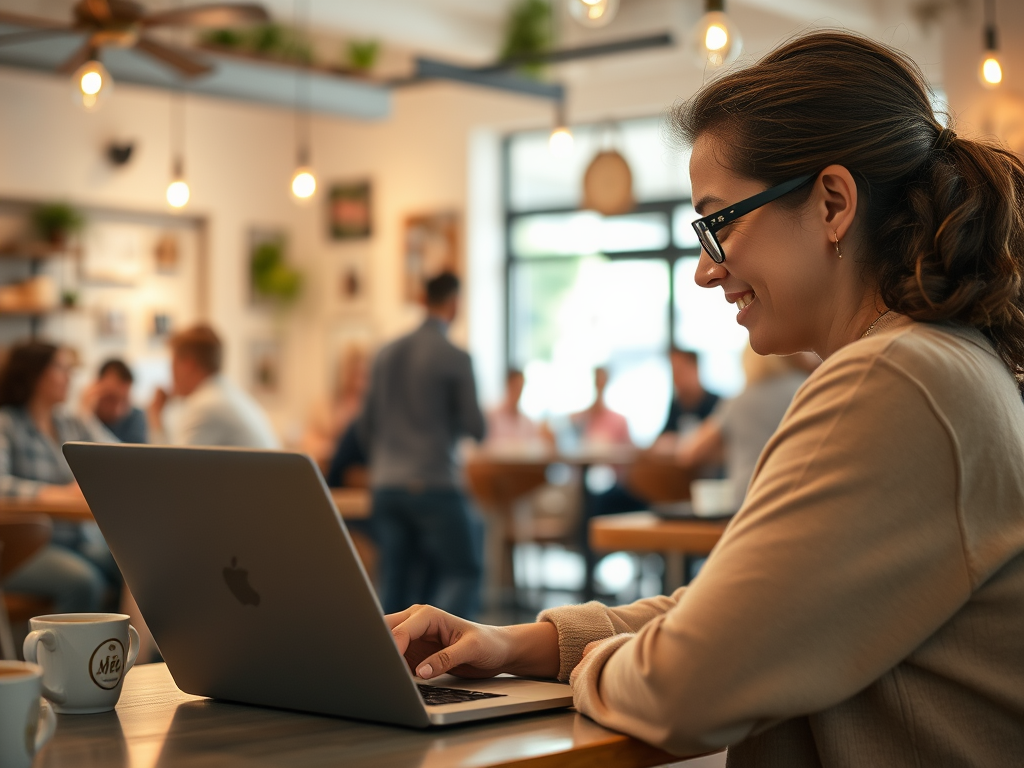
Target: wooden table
x=352, y=503
x=646, y=532
x=155, y=724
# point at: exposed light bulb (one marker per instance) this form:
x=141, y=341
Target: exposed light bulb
x=303, y=183
x=715, y=41
x=177, y=193
x=991, y=72
x=593, y=13
x=90, y=85
x=561, y=142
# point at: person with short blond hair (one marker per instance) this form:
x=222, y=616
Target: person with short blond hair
x=211, y=410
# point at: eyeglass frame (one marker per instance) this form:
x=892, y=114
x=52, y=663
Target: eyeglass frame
x=713, y=222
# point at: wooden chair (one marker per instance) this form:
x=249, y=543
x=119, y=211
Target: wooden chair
x=496, y=486
x=21, y=537
x=658, y=479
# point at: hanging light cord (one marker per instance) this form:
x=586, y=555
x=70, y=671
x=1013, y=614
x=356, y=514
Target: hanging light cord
x=302, y=118
x=990, y=25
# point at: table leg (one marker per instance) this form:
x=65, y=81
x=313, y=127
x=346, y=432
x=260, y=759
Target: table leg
x=676, y=571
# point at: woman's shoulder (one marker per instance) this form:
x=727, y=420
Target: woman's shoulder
x=954, y=367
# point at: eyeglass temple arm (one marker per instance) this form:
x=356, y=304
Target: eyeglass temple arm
x=762, y=198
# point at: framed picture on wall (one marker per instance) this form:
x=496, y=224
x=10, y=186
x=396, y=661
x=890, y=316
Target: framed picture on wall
x=265, y=367
x=348, y=210
x=432, y=245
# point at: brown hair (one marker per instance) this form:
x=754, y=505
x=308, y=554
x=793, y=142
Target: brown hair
x=202, y=344
x=22, y=370
x=943, y=222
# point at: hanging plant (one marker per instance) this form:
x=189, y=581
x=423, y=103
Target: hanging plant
x=528, y=33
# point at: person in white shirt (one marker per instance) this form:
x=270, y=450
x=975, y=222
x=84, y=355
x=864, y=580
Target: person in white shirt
x=508, y=428
x=212, y=410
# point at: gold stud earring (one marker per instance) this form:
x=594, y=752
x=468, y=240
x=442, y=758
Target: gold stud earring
x=839, y=251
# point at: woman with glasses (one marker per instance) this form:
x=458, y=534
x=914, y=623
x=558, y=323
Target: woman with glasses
x=865, y=607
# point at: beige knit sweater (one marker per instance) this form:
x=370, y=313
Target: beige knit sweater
x=866, y=605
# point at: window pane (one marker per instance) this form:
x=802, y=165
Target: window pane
x=585, y=232
x=683, y=235
x=706, y=323
x=541, y=180
x=569, y=316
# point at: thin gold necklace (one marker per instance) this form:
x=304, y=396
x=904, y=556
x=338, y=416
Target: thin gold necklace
x=872, y=326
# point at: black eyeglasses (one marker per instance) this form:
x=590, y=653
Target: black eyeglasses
x=708, y=225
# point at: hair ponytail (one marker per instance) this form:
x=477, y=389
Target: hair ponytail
x=943, y=216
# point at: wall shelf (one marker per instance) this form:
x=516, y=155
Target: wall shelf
x=234, y=76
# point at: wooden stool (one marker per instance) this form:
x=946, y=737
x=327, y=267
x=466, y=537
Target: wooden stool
x=21, y=537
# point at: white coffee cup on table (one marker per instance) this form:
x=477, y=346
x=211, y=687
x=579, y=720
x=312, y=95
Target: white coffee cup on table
x=84, y=657
x=713, y=498
x=26, y=721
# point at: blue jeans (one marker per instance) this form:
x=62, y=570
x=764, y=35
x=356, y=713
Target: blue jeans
x=431, y=550
x=68, y=580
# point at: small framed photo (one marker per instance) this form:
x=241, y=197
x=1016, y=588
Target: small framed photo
x=348, y=210
x=432, y=246
x=265, y=366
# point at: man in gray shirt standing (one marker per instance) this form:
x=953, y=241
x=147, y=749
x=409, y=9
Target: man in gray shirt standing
x=422, y=399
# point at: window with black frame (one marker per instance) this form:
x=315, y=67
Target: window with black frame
x=585, y=290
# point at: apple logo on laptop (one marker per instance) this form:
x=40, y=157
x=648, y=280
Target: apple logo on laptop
x=237, y=580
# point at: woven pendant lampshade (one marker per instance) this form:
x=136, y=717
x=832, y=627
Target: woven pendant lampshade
x=608, y=184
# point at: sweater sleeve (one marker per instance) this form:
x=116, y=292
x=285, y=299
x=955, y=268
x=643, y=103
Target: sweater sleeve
x=846, y=556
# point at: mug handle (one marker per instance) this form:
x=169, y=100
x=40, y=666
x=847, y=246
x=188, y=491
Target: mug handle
x=47, y=724
x=134, y=645
x=30, y=649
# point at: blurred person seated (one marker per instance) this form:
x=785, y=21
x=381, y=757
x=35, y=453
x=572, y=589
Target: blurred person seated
x=691, y=403
x=329, y=419
x=211, y=409
x=604, y=494
x=348, y=466
x=599, y=426
x=75, y=572
x=508, y=428
x=109, y=400
x=738, y=429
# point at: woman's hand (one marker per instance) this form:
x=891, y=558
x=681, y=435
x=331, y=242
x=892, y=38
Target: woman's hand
x=434, y=642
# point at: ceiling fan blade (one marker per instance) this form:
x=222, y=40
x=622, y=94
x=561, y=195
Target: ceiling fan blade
x=84, y=53
x=186, y=64
x=213, y=15
x=31, y=35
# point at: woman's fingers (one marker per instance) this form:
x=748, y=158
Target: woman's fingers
x=462, y=651
x=416, y=622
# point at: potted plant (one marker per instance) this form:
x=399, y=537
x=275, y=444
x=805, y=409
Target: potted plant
x=53, y=222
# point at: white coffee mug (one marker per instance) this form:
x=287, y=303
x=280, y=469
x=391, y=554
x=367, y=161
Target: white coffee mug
x=26, y=722
x=84, y=657
x=713, y=498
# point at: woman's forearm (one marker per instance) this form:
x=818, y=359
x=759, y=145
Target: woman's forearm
x=533, y=649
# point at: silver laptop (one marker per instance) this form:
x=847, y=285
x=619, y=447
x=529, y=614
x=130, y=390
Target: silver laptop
x=250, y=585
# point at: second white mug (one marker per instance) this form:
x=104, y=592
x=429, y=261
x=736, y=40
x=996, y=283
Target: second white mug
x=84, y=657
x=26, y=722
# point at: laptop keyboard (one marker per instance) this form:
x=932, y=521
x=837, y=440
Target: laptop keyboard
x=435, y=695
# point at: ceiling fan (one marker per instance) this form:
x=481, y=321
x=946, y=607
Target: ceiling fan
x=124, y=24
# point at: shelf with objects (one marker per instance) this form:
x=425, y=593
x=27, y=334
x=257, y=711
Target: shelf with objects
x=29, y=291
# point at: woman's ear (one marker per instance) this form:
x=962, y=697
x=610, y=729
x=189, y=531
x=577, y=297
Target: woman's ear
x=838, y=200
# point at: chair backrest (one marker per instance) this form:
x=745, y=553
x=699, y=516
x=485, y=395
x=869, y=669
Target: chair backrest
x=22, y=535
x=497, y=484
x=658, y=479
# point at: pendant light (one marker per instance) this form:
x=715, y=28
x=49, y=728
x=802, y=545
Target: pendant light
x=303, y=180
x=990, y=71
x=593, y=13
x=178, y=192
x=715, y=40
x=91, y=84
x=560, y=143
